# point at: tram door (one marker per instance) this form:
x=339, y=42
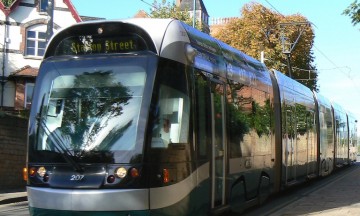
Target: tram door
x=218, y=145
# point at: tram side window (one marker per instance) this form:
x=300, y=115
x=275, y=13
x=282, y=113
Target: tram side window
x=173, y=118
x=261, y=122
x=239, y=106
x=172, y=108
x=329, y=126
x=249, y=120
x=203, y=115
x=289, y=124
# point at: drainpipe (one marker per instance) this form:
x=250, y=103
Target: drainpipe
x=3, y=81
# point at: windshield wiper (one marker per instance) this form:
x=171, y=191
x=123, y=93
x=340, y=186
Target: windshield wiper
x=60, y=146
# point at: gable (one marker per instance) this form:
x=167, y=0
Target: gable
x=8, y=10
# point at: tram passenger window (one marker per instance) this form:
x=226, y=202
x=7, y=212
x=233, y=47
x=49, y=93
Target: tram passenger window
x=203, y=110
x=238, y=124
x=173, y=119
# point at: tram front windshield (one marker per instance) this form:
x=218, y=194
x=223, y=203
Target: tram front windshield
x=89, y=109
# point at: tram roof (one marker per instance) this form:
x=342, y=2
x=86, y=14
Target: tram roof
x=322, y=100
x=287, y=82
x=170, y=36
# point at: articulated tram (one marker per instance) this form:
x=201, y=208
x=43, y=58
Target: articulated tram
x=152, y=117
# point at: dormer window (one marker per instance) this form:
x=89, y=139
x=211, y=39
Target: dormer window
x=43, y=5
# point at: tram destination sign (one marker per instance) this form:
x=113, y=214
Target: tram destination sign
x=88, y=45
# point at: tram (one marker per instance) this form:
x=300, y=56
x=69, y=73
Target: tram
x=153, y=117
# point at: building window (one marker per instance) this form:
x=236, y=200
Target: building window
x=35, y=43
x=29, y=88
x=43, y=5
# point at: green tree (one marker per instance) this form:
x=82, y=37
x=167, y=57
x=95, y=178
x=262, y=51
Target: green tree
x=99, y=105
x=166, y=9
x=257, y=29
x=353, y=11
x=7, y=3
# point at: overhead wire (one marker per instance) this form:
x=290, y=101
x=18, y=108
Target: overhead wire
x=336, y=67
x=151, y=5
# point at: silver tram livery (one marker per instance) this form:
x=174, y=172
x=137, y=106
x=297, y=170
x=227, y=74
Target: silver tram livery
x=153, y=117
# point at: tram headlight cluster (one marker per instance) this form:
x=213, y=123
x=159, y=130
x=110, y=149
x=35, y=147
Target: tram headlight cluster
x=123, y=172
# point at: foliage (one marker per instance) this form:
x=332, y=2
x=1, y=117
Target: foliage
x=258, y=30
x=353, y=11
x=7, y=3
x=170, y=10
x=98, y=107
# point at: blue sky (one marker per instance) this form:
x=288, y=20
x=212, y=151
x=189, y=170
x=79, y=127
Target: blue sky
x=337, y=41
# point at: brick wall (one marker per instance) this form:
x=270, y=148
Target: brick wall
x=13, y=131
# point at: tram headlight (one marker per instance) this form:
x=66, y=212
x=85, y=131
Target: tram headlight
x=100, y=30
x=120, y=172
x=41, y=171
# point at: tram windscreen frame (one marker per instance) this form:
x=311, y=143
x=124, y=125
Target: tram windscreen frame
x=92, y=106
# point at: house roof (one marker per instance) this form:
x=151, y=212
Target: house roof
x=189, y=4
x=26, y=71
x=89, y=18
x=15, y=4
x=73, y=11
x=7, y=10
x=141, y=14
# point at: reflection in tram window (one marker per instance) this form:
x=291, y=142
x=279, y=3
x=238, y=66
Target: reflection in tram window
x=249, y=121
x=85, y=111
x=171, y=108
x=173, y=118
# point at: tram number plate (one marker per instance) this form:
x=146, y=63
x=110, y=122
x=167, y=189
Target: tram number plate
x=76, y=177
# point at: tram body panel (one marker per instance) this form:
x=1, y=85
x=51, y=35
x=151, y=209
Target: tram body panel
x=341, y=136
x=326, y=140
x=298, y=131
x=353, y=145
x=88, y=200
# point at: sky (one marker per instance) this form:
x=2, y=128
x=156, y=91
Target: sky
x=337, y=41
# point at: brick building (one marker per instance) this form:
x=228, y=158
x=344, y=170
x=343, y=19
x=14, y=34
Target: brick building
x=25, y=27
x=199, y=8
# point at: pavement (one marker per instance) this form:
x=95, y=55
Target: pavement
x=340, y=196
x=12, y=196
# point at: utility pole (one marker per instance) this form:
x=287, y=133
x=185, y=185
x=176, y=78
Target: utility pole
x=288, y=46
x=50, y=24
x=194, y=14
x=262, y=57
x=4, y=60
